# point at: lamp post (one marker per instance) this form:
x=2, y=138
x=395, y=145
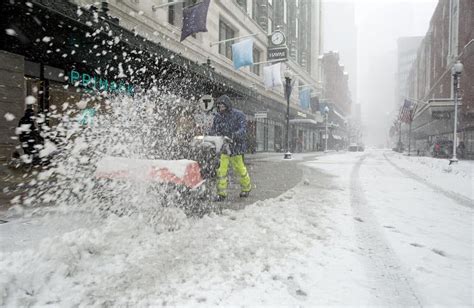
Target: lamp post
x=326, y=113
x=287, y=155
x=399, y=147
x=456, y=71
x=409, y=129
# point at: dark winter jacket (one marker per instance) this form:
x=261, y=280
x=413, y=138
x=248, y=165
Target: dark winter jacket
x=231, y=123
x=29, y=134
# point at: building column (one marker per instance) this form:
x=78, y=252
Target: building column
x=12, y=99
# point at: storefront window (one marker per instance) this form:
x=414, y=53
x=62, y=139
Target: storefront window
x=262, y=135
x=271, y=136
x=62, y=98
x=469, y=141
x=33, y=87
x=225, y=32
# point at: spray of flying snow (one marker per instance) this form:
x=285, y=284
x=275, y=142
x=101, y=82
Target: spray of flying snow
x=10, y=32
x=30, y=100
x=139, y=127
x=9, y=117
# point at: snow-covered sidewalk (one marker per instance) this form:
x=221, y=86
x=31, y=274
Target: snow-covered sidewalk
x=457, y=178
x=284, y=251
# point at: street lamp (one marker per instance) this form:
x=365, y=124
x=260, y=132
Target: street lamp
x=409, y=129
x=456, y=72
x=399, y=145
x=287, y=74
x=326, y=113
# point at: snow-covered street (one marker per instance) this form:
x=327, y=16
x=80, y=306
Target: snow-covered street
x=357, y=230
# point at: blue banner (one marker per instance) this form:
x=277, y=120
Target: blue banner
x=242, y=53
x=305, y=98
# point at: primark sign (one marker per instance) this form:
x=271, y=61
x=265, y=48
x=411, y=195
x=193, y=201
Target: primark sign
x=96, y=83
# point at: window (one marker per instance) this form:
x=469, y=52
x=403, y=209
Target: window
x=255, y=9
x=256, y=58
x=285, y=13
x=225, y=32
x=171, y=14
x=242, y=4
x=175, y=12
x=270, y=26
x=297, y=23
x=454, y=27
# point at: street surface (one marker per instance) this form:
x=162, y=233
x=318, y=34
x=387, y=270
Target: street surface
x=364, y=228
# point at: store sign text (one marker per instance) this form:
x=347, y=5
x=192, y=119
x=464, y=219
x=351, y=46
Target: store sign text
x=441, y=115
x=91, y=82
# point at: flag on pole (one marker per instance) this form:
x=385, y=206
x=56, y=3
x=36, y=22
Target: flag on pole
x=194, y=19
x=305, y=98
x=242, y=53
x=272, y=76
x=407, y=111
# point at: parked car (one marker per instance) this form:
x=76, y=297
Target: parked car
x=360, y=147
x=442, y=149
x=353, y=147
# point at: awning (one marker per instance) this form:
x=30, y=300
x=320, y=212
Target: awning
x=336, y=137
x=319, y=117
x=303, y=121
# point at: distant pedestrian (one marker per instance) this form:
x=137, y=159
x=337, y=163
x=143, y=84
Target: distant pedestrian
x=461, y=149
x=231, y=123
x=437, y=149
x=29, y=136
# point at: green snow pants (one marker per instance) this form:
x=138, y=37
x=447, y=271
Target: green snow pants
x=238, y=165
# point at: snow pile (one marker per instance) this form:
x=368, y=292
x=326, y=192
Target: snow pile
x=457, y=177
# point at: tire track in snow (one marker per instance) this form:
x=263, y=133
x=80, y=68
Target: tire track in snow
x=459, y=199
x=390, y=284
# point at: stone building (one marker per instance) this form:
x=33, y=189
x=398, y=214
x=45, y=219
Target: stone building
x=450, y=38
x=337, y=97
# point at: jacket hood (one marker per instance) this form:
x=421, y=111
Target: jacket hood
x=224, y=99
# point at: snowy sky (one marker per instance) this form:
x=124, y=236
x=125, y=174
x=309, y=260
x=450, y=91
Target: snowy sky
x=379, y=24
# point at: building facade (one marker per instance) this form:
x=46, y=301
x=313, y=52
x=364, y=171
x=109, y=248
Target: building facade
x=340, y=34
x=407, y=48
x=337, y=97
x=430, y=81
x=149, y=34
